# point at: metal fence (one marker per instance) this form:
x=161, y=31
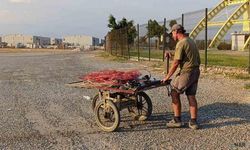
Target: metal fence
x=144, y=47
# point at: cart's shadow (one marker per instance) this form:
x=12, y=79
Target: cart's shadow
x=215, y=115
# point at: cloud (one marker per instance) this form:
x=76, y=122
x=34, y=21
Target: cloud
x=20, y=1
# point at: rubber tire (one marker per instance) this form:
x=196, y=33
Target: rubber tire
x=135, y=115
x=116, y=115
x=95, y=101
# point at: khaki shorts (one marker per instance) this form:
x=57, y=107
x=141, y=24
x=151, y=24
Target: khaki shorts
x=187, y=82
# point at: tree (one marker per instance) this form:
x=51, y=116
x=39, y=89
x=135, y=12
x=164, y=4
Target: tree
x=172, y=22
x=155, y=30
x=123, y=24
x=112, y=23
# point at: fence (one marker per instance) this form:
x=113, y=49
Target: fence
x=144, y=46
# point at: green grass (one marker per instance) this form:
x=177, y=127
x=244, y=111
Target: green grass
x=247, y=86
x=112, y=57
x=217, y=58
x=221, y=59
x=239, y=76
x=155, y=54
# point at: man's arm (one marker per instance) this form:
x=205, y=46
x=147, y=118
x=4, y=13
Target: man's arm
x=172, y=69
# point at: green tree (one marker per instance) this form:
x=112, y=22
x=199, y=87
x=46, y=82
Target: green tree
x=123, y=24
x=172, y=22
x=112, y=23
x=155, y=30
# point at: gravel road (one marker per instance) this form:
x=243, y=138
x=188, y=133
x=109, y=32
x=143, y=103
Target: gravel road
x=37, y=110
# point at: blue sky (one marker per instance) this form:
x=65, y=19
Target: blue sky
x=56, y=18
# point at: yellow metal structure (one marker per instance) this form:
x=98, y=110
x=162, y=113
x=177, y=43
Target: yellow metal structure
x=211, y=15
x=246, y=45
x=243, y=10
x=228, y=24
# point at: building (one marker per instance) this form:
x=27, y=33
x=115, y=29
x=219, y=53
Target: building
x=81, y=41
x=30, y=41
x=0, y=39
x=239, y=40
x=55, y=41
x=102, y=42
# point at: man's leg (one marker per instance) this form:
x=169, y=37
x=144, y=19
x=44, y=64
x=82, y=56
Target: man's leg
x=176, y=105
x=193, y=108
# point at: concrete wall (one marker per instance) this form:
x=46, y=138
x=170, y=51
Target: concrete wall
x=14, y=39
x=81, y=40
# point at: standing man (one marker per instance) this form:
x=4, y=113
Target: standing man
x=188, y=58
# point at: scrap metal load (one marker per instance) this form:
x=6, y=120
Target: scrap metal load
x=111, y=77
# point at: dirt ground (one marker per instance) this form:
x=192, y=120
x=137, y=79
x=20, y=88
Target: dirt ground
x=37, y=110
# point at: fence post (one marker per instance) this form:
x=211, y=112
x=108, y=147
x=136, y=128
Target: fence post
x=105, y=49
x=248, y=58
x=120, y=44
x=128, y=42
x=149, y=42
x=182, y=20
x=164, y=39
x=206, y=10
x=138, y=42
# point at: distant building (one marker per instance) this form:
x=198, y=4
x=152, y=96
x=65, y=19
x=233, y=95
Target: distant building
x=15, y=40
x=102, y=42
x=81, y=41
x=239, y=40
x=0, y=39
x=55, y=41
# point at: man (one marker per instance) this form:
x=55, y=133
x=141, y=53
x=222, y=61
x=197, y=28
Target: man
x=188, y=58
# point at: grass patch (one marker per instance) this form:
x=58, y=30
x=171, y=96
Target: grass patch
x=112, y=57
x=240, y=76
x=247, y=86
x=221, y=59
x=215, y=57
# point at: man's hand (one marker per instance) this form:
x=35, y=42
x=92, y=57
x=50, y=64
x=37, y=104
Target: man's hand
x=164, y=79
x=168, y=54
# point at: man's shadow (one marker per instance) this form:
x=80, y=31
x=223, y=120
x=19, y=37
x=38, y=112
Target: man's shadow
x=214, y=115
x=218, y=115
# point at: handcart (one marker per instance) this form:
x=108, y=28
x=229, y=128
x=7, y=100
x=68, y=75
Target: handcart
x=110, y=100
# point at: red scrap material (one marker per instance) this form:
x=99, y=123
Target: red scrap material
x=111, y=77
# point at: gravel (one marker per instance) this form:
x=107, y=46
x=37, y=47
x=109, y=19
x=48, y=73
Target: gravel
x=37, y=110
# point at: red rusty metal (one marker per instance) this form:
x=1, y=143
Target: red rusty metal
x=111, y=77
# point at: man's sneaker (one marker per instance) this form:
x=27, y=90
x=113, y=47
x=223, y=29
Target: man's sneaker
x=193, y=125
x=174, y=124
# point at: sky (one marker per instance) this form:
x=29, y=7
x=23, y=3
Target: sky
x=58, y=18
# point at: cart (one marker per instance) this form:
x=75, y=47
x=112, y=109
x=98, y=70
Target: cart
x=110, y=100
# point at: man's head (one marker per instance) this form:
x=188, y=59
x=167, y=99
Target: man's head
x=177, y=31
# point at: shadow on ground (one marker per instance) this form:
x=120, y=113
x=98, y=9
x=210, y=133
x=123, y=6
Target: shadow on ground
x=214, y=115
x=218, y=115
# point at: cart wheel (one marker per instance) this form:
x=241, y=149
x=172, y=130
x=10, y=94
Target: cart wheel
x=95, y=101
x=107, y=116
x=143, y=108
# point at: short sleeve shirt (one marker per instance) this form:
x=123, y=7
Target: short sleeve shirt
x=187, y=52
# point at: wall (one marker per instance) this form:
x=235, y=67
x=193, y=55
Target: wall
x=14, y=39
x=79, y=40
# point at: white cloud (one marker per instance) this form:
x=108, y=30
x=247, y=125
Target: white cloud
x=20, y=1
